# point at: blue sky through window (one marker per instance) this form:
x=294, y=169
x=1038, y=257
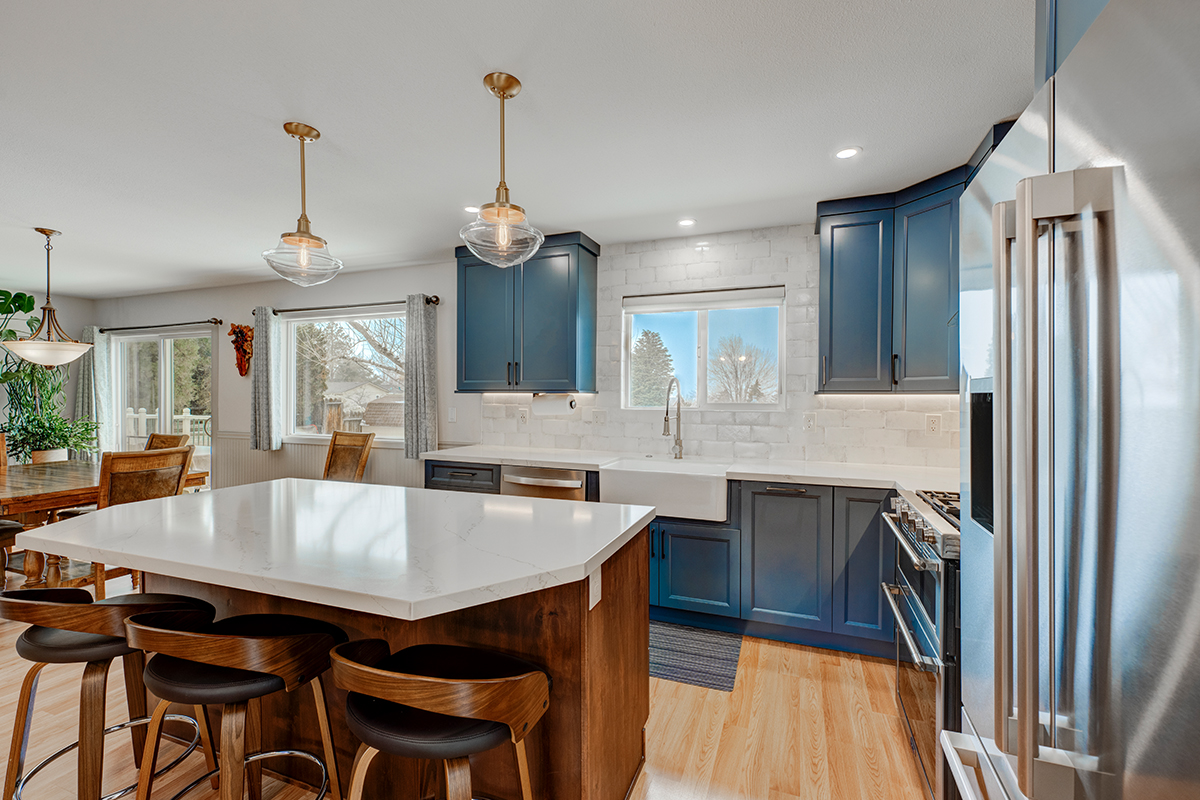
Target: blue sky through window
x=678, y=330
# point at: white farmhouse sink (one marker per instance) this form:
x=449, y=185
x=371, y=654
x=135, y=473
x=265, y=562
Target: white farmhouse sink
x=676, y=488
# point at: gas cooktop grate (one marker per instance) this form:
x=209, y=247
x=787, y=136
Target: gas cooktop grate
x=945, y=503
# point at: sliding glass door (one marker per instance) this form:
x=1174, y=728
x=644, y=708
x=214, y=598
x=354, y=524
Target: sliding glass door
x=164, y=385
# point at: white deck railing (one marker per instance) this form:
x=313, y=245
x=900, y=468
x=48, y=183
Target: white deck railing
x=141, y=423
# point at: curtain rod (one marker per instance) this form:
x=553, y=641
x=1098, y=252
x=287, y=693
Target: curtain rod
x=209, y=321
x=433, y=300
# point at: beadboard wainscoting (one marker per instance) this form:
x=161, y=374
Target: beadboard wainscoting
x=234, y=463
x=856, y=428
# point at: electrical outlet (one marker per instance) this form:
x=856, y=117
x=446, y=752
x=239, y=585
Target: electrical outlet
x=933, y=423
x=452, y=414
x=600, y=416
x=810, y=421
x=523, y=415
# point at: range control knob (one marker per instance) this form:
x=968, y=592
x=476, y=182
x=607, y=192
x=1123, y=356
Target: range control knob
x=928, y=533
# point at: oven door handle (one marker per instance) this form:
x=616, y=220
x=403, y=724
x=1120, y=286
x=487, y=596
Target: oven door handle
x=922, y=564
x=924, y=663
x=551, y=483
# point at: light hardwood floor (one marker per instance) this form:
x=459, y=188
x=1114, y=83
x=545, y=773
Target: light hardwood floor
x=800, y=723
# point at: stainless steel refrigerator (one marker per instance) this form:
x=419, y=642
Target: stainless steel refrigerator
x=1080, y=325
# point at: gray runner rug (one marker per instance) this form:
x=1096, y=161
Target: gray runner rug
x=694, y=655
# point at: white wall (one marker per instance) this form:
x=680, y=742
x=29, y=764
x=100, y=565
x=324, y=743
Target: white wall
x=876, y=429
x=232, y=391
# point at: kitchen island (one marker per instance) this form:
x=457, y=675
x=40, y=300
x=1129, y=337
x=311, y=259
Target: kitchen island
x=560, y=583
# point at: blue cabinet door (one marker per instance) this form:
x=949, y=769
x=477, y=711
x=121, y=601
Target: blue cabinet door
x=864, y=555
x=925, y=290
x=655, y=549
x=485, y=327
x=545, y=315
x=787, y=555
x=855, y=322
x=699, y=568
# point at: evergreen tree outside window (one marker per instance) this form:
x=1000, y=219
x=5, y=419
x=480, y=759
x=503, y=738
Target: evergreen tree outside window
x=725, y=347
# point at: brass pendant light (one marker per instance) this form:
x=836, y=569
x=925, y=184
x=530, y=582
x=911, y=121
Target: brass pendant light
x=57, y=348
x=301, y=256
x=501, y=235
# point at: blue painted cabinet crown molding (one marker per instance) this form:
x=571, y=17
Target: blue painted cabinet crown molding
x=532, y=327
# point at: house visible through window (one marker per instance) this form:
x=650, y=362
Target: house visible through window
x=726, y=348
x=347, y=374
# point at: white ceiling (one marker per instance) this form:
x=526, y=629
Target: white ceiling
x=150, y=132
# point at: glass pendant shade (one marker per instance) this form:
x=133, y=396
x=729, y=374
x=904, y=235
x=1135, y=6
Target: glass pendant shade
x=302, y=260
x=503, y=244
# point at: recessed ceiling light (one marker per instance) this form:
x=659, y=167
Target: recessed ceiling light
x=471, y=209
x=849, y=152
x=687, y=223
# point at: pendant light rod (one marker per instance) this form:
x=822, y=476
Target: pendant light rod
x=303, y=187
x=502, y=99
x=505, y=87
x=48, y=232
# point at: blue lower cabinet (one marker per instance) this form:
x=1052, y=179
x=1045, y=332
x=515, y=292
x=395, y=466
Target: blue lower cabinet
x=787, y=554
x=699, y=568
x=864, y=555
x=655, y=537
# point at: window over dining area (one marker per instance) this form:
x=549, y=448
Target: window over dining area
x=725, y=347
x=346, y=373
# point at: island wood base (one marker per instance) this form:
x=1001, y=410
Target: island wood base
x=590, y=744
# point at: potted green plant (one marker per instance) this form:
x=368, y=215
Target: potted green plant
x=35, y=429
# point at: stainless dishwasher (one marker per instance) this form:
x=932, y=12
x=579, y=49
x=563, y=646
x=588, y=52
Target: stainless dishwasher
x=558, y=484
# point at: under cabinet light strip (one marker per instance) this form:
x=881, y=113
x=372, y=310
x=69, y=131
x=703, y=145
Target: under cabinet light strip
x=209, y=321
x=432, y=300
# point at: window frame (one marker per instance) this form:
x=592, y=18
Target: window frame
x=702, y=302
x=288, y=320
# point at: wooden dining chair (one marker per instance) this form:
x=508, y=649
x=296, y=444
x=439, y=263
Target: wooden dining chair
x=441, y=703
x=10, y=526
x=129, y=478
x=347, y=457
x=166, y=441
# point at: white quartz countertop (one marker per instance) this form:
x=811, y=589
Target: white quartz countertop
x=866, y=476
x=389, y=550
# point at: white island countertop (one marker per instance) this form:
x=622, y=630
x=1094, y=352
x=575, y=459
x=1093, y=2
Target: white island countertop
x=389, y=550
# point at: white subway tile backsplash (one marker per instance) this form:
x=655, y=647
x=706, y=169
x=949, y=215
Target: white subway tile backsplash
x=878, y=428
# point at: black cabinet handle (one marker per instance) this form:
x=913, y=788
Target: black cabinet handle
x=517, y=373
x=662, y=547
x=895, y=380
x=508, y=373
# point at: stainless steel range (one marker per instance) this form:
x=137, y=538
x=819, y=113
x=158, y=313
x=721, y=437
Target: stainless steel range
x=924, y=601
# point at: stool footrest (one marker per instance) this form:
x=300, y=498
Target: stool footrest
x=250, y=759
x=28, y=776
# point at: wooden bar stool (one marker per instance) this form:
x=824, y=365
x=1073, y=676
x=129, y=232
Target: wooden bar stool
x=234, y=663
x=347, y=456
x=68, y=628
x=438, y=702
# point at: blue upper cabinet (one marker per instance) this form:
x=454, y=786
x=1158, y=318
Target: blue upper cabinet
x=925, y=294
x=856, y=302
x=532, y=327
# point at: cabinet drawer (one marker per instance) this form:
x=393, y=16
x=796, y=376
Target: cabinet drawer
x=462, y=477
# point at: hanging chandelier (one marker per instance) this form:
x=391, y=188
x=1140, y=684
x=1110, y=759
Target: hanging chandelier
x=301, y=256
x=500, y=234
x=57, y=348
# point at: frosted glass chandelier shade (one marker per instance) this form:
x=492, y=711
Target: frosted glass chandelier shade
x=303, y=261
x=57, y=348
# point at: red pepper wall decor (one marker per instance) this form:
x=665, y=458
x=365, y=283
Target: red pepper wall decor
x=243, y=345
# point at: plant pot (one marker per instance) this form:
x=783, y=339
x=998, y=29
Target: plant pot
x=45, y=456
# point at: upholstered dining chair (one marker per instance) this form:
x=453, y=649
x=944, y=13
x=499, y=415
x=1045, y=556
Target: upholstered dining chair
x=165, y=441
x=347, y=457
x=131, y=477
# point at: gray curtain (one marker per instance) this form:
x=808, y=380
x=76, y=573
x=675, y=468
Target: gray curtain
x=93, y=393
x=420, y=376
x=266, y=382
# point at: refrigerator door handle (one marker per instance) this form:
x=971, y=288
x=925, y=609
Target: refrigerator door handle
x=1004, y=231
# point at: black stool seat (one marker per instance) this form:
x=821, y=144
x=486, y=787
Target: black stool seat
x=54, y=646
x=415, y=733
x=10, y=526
x=196, y=683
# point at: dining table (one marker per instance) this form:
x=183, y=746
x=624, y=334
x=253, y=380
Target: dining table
x=37, y=492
